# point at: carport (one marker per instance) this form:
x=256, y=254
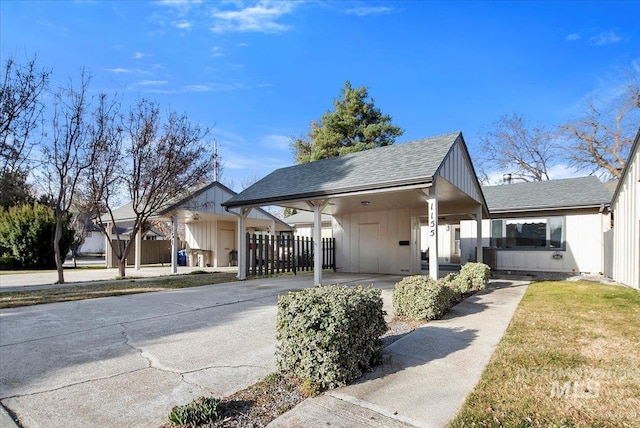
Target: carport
x=210, y=234
x=378, y=199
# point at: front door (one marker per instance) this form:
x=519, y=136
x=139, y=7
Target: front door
x=369, y=248
x=226, y=243
x=455, y=245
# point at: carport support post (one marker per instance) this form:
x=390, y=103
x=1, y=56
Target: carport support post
x=138, y=252
x=242, y=243
x=318, y=206
x=479, y=234
x=432, y=202
x=174, y=243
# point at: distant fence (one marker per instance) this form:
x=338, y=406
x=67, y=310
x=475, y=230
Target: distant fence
x=151, y=252
x=267, y=255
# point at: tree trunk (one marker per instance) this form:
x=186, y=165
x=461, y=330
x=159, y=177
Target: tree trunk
x=122, y=264
x=56, y=247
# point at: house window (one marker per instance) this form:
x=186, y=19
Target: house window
x=528, y=233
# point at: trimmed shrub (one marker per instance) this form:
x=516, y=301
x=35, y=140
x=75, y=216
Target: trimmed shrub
x=330, y=334
x=453, y=287
x=26, y=237
x=420, y=297
x=476, y=275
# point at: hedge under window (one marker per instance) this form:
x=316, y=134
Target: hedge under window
x=528, y=233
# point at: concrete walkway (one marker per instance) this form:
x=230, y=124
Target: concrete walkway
x=127, y=360
x=426, y=375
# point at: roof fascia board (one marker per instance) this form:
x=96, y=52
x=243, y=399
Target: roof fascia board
x=623, y=176
x=536, y=209
x=356, y=191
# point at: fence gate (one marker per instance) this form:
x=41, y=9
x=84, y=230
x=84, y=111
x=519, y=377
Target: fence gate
x=267, y=255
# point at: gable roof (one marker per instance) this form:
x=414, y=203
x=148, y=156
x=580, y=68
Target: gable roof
x=634, y=149
x=583, y=192
x=412, y=163
x=125, y=212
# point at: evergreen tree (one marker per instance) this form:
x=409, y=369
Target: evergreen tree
x=356, y=124
x=26, y=237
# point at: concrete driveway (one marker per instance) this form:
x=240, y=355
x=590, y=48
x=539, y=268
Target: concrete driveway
x=126, y=361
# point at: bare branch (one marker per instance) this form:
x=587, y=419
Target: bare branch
x=513, y=146
x=601, y=139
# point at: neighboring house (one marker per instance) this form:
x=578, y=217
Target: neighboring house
x=379, y=199
x=552, y=226
x=302, y=224
x=210, y=231
x=93, y=241
x=625, y=208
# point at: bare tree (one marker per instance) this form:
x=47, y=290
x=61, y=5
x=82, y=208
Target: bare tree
x=600, y=141
x=161, y=161
x=67, y=156
x=21, y=111
x=513, y=146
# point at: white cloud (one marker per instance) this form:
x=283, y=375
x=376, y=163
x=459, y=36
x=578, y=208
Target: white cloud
x=261, y=17
x=118, y=70
x=207, y=87
x=233, y=160
x=180, y=4
x=605, y=38
x=152, y=82
x=573, y=37
x=369, y=10
x=216, y=51
x=197, y=88
x=140, y=55
x=274, y=141
x=560, y=171
x=182, y=25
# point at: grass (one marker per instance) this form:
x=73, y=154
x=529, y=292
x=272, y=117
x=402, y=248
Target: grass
x=570, y=358
x=110, y=288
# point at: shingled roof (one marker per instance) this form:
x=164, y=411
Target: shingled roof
x=416, y=162
x=580, y=192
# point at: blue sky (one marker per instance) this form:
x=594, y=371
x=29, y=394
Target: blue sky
x=260, y=72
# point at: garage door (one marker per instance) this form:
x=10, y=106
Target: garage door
x=369, y=248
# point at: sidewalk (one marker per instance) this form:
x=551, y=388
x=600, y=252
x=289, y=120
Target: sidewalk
x=83, y=276
x=426, y=375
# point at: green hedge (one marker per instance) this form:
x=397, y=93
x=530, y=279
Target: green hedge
x=476, y=275
x=330, y=334
x=420, y=297
x=26, y=237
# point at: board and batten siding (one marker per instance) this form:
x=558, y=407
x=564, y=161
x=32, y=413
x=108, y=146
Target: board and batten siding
x=208, y=201
x=626, y=226
x=457, y=170
x=583, y=251
x=445, y=242
x=306, y=231
x=393, y=226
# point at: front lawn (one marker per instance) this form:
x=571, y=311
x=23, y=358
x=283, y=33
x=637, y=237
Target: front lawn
x=570, y=358
x=110, y=288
